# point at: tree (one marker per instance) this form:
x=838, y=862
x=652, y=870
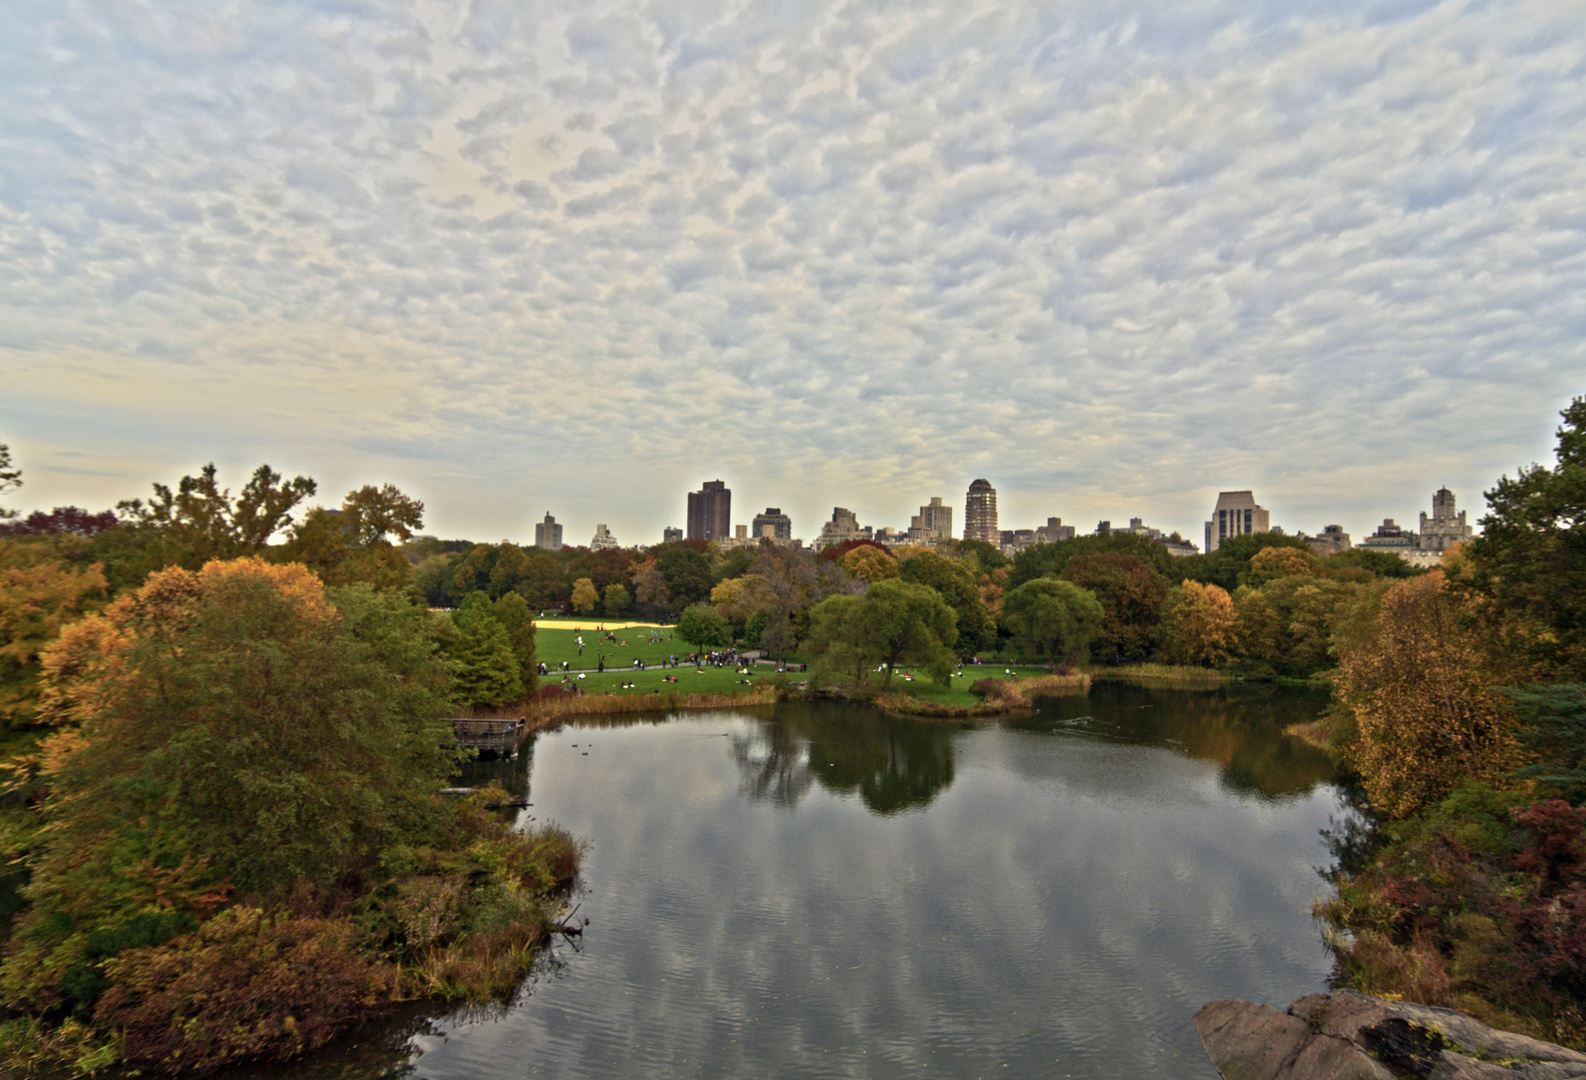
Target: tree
x=1530, y=559
x=513, y=613
x=701, y=627
x=1052, y=619
x=61, y=521
x=374, y=515
x=584, y=596
x=1048, y=560
x=1272, y=563
x=1200, y=625
x=960, y=589
x=869, y=564
x=1420, y=691
x=10, y=479
x=1228, y=566
x=40, y=592
x=487, y=665
x=686, y=573
x=894, y=623
x=617, y=599
x=1131, y=593
x=1553, y=732
x=201, y=521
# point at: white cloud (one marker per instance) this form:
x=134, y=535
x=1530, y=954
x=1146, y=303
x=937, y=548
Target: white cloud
x=834, y=253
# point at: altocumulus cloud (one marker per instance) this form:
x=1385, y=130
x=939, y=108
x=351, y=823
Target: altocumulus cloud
x=516, y=257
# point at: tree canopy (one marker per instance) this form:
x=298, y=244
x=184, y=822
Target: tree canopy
x=894, y=623
x=1052, y=619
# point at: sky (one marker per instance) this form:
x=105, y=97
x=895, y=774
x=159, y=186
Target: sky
x=519, y=257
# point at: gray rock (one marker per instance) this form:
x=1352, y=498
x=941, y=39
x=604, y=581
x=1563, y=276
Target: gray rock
x=1346, y=1035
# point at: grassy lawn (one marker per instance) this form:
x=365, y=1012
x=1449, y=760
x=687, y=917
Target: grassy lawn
x=958, y=690
x=712, y=680
x=554, y=646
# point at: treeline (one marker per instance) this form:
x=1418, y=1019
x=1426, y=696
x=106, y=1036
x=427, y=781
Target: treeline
x=1460, y=701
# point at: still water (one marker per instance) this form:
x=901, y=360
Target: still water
x=823, y=891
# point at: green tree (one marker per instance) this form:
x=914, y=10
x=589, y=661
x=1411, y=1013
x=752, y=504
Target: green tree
x=201, y=521
x=1229, y=566
x=617, y=599
x=1048, y=560
x=513, y=613
x=227, y=729
x=703, y=628
x=961, y=589
x=894, y=623
x=1132, y=594
x=1052, y=619
x=585, y=597
x=487, y=666
x=1553, y=733
x=1530, y=559
x=686, y=573
x=354, y=543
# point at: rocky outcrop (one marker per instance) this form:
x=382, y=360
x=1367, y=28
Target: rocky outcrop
x=1345, y=1035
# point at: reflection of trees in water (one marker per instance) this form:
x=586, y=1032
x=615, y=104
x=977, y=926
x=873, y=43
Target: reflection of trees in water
x=1241, y=729
x=892, y=763
x=512, y=774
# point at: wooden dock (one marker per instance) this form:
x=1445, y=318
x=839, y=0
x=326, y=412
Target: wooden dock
x=498, y=737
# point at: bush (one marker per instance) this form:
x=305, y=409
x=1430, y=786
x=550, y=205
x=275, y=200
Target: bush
x=244, y=985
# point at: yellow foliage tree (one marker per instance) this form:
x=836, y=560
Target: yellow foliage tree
x=585, y=596
x=1270, y=564
x=1420, y=687
x=869, y=564
x=1201, y=626
x=40, y=592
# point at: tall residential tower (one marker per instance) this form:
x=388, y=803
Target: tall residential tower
x=980, y=513
x=710, y=512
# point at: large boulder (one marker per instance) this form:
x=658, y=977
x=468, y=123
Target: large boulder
x=1345, y=1035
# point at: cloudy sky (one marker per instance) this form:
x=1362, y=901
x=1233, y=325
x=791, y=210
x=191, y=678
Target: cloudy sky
x=518, y=256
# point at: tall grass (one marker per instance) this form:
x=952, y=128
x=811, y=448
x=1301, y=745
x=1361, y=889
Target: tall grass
x=546, y=712
x=1180, y=673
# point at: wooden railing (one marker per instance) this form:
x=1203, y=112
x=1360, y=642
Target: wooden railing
x=493, y=736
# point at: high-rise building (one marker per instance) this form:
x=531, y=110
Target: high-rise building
x=603, y=540
x=671, y=534
x=933, y=524
x=1445, y=527
x=980, y=513
x=1236, y=514
x=1332, y=540
x=843, y=526
x=780, y=524
x=548, y=534
x=710, y=512
x=1054, y=530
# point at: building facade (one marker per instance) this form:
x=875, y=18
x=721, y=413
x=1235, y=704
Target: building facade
x=603, y=540
x=1236, y=514
x=843, y=526
x=710, y=512
x=980, y=514
x=1445, y=527
x=1390, y=538
x=548, y=534
x=780, y=524
x=1332, y=540
x=932, y=525
x=671, y=534
x=1054, y=530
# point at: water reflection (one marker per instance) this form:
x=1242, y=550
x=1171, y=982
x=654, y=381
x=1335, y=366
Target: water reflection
x=892, y=764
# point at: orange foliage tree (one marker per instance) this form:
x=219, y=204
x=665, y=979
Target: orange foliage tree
x=1200, y=627
x=1420, y=687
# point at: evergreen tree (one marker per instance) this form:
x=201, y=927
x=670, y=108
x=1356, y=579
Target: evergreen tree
x=512, y=612
x=487, y=668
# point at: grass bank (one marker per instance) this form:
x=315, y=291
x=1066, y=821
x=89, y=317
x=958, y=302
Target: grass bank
x=993, y=696
x=547, y=712
x=1152, y=674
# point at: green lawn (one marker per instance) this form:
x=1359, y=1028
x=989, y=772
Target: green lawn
x=958, y=690
x=710, y=680
x=554, y=646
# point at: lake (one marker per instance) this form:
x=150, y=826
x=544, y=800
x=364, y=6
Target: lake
x=819, y=890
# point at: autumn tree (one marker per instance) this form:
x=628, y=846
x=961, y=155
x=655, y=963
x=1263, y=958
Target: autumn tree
x=1420, y=688
x=1271, y=563
x=585, y=597
x=61, y=521
x=232, y=729
x=869, y=564
x=40, y=593
x=1131, y=592
x=1200, y=624
x=1048, y=560
x=1052, y=619
x=355, y=543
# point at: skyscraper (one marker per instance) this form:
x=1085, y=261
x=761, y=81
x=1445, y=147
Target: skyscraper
x=710, y=512
x=933, y=524
x=980, y=513
x=548, y=534
x=781, y=524
x=1236, y=515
